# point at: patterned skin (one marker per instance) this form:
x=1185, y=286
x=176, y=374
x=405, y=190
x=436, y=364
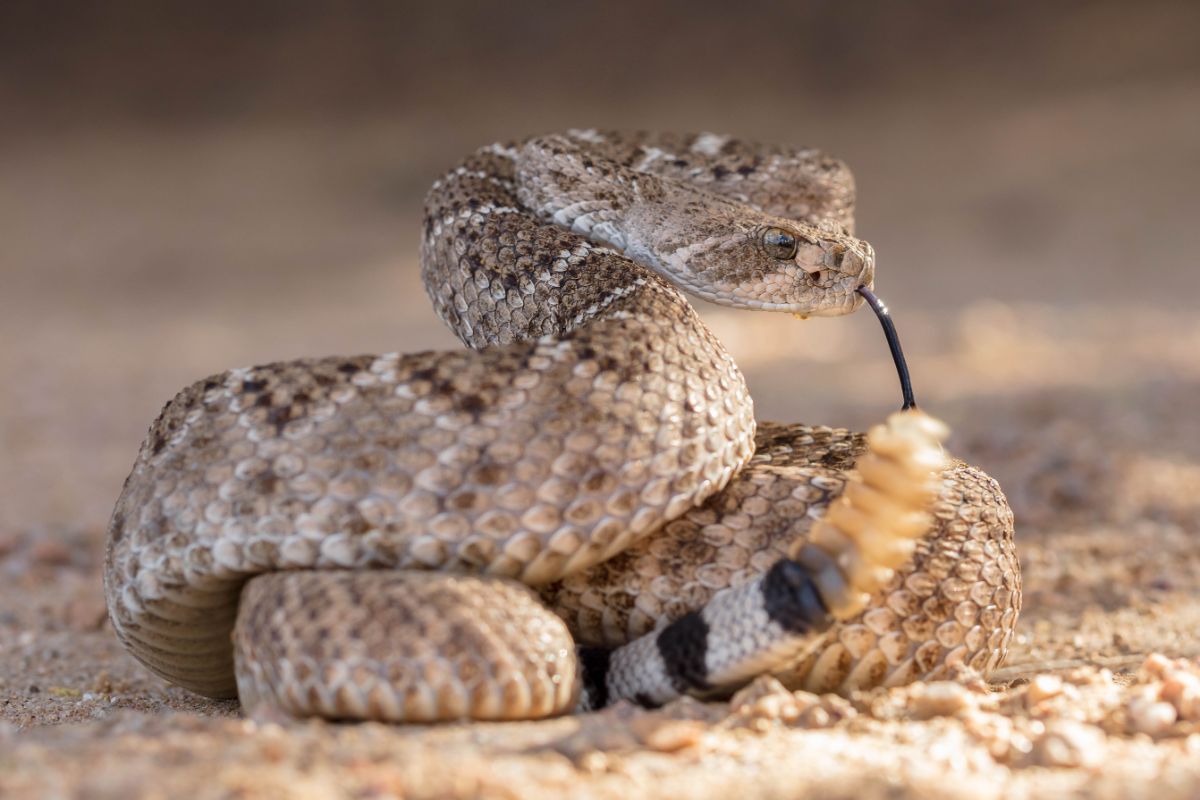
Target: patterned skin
x=596, y=441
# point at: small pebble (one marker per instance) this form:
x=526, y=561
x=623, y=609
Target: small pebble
x=1151, y=717
x=762, y=686
x=1043, y=687
x=1182, y=690
x=593, y=762
x=940, y=699
x=667, y=736
x=1067, y=743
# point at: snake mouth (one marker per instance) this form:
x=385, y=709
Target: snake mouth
x=841, y=304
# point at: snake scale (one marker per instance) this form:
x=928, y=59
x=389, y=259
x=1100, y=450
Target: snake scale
x=580, y=507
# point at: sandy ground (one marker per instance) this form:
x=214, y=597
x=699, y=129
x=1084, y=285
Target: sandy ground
x=1043, y=277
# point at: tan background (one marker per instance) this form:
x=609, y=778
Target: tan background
x=230, y=183
x=182, y=191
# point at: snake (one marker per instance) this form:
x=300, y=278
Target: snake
x=579, y=507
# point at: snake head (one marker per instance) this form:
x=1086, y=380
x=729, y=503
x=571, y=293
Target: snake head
x=734, y=255
x=713, y=246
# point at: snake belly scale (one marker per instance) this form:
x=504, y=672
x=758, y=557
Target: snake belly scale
x=579, y=507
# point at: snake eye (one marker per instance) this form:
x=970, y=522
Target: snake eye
x=779, y=244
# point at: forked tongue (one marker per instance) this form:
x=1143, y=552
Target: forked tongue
x=893, y=340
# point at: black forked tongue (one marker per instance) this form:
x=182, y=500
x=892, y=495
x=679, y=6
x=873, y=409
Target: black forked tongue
x=893, y=340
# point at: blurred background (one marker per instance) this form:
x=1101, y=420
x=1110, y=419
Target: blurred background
x=187, y=187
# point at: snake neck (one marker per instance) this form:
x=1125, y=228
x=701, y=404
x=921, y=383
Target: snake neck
x=498, y=271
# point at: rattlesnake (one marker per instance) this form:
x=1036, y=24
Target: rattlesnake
x=596, y=443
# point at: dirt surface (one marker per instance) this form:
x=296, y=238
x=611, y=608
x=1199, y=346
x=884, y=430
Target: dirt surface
x=1036, y=237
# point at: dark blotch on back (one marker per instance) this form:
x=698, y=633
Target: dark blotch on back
x=473, y=404
x=488, y=474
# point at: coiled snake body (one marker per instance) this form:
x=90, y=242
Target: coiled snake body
x=363, y=526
